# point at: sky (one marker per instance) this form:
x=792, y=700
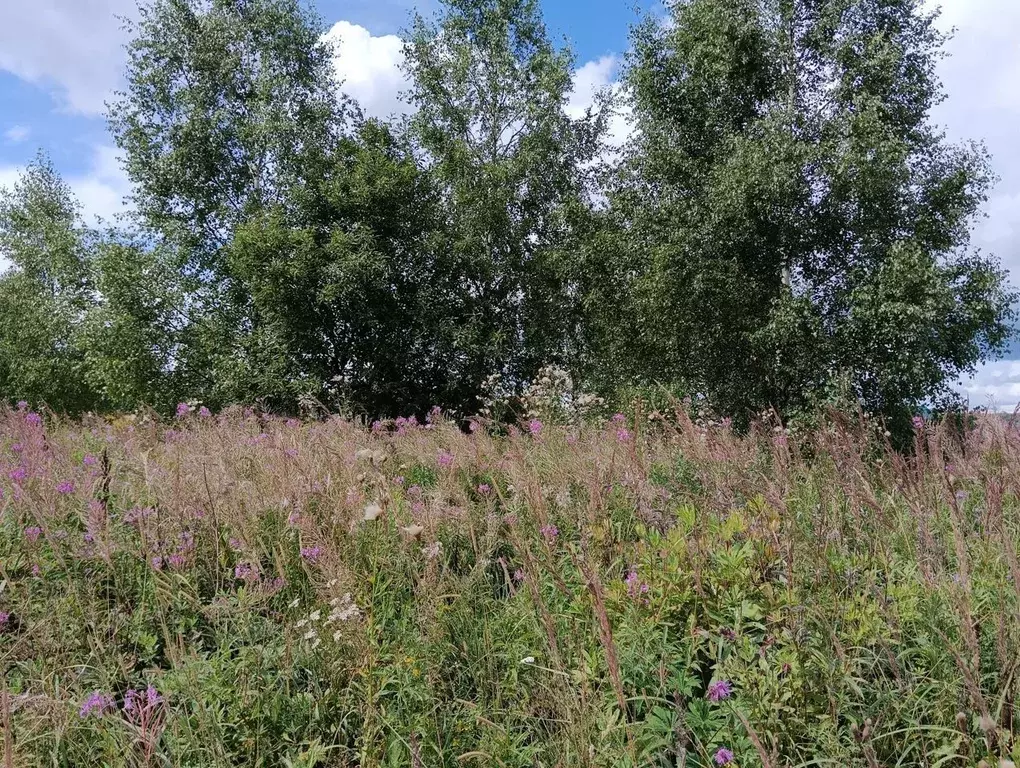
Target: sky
x=60, y=61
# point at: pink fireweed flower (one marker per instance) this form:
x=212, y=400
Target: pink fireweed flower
x=183, y=409
x=445, y=459
x=719, y=690
x=619, y=418
x=311, y=554
x=22, y=405
x=33, y=419
x=18, y=475
x=96, y=705
x=918, y=422
x=535, y=427
x=484, y=489
x=17, y=448
x=723, y=756
x=292, y=423
x=550, y=532
x=293, y=518
x=291, y=452
x=635, y=587
x=157, y=563
x=245, y=572
x=89, y=460
x=33, y=533
x=176, y=560
x=65, y=487
x=5, y=617
x=36, y=570
x=204, y=412
x=622, y=435
x=519, y=575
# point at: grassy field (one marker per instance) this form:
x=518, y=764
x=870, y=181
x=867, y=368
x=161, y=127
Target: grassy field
x=244, y=590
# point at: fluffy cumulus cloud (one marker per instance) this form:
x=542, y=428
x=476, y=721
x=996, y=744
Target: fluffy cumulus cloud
x=17, y=134
x=369, y=67
x=74, y=47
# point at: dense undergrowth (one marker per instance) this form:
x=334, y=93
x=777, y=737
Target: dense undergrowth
x=245, y=590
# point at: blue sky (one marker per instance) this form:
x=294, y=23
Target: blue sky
x=61, y=59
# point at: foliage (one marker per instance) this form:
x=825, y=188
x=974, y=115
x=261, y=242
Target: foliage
x=789, y=214
x=237, y=589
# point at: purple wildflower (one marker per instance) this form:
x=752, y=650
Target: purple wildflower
x=311, y=554
x=723, y=756
x=22, y=405
x=293, y=518
x=96, y=704
x=550, y=532
x=89, y=460
x=157, y=563
x=623, y=435
x=484, y=489
x=719, y=690
x=33, y=419
x=33, y=533
x=183, y=409
x=519, y=575
x=918, y=422
x=244, y=572
x=17, y=448
x=535, y=426
x=445, y=459
x=65, y=487
x=204, y=412
x=18, y=475
x=619, y=418
x=5, y=617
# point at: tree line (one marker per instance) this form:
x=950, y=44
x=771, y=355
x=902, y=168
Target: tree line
x=785, y=225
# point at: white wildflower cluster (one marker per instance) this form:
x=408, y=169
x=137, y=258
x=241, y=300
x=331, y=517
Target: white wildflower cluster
x=553, y=396
x=342, y=609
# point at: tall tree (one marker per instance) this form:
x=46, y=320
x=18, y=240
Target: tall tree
x=490, y=92
x=45, y=294
x=790, y=221
x=231, y=111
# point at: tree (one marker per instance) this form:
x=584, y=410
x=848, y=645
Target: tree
x=490, y=92
x=231, y=111
x=45, y=294
x=788, y=220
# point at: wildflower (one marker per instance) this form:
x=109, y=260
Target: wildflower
x=634, y=587
x=183, y=409
x=17, y=448
x=140, y=703
x=619, y=418
x=33, y=419
x=89, y=460
x=550, y=532
x=291, y=452
x=310, y=634
x=204, y=412
x=398, y=480
x=519, y=575
x=918, y=422
x=445, y=459
x=96, y=704
x=311, y=554
x=535, y=427
x=22, y=405
x=32, y=533
x=315, y=615
x=65, y=487
x=18, y=475
x=728, y=634
x=244, y=572
x=723, y=756
x=623, y=435
x=157, y=563
x=484, y=489
x=5, y=618
x=719, y=690
x=36, y=570
x=432, y=551
x=293, y=518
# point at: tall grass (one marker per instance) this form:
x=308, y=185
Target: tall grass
x=247, y=590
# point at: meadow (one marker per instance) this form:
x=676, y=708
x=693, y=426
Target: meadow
x=238, y=589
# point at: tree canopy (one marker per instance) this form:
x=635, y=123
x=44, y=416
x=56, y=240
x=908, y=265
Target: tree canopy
x=786, y=225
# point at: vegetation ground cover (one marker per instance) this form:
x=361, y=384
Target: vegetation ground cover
x=239, y=589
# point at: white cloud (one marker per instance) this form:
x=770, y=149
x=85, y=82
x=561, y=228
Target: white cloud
x=995, y=385
x=17, y=133
x=590, y=80
x=73, y=46
x=369, y=67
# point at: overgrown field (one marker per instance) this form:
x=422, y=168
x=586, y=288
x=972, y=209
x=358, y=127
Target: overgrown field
x=246, y=590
